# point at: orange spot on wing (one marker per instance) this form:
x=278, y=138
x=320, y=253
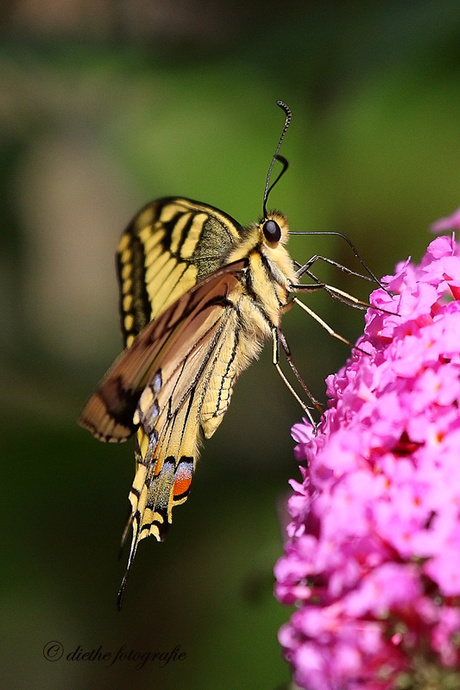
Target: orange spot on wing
x=182, y=481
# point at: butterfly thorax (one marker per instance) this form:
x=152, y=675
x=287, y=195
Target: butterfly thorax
x=269, y=275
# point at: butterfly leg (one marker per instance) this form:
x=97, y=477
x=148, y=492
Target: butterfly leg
x=332, y=291
x=305, y=268
x=372, y=277
x=326, y=326
x=279, y=339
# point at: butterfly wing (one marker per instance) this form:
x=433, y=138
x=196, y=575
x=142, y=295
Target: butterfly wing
x=190, y=328
x=170, y=246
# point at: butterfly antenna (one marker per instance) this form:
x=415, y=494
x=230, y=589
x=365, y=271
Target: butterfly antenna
x=276, y=157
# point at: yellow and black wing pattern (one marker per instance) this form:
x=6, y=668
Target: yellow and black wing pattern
x=170, y=246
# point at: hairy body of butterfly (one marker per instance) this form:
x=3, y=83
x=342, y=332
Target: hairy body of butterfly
x=199, y=295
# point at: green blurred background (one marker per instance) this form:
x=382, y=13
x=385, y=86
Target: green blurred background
x=103, y=107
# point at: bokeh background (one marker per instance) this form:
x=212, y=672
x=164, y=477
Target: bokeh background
x=105, y=105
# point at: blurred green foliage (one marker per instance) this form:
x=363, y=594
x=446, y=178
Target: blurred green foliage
x=100, y=113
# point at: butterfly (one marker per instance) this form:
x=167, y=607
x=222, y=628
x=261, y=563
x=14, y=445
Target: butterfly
x=199, y=295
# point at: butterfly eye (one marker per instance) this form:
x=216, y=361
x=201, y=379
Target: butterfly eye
x=272, y=231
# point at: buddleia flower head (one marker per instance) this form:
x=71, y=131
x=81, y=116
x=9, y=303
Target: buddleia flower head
x=372, y=557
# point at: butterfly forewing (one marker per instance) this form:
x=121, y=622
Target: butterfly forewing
x=170, y=246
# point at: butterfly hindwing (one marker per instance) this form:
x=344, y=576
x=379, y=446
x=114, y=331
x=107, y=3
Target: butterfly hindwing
x=194, y=394
x=176, y=381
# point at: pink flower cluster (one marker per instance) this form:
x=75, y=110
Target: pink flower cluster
x=372, y=559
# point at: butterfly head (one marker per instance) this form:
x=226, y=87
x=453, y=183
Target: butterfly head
x=273, y=233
